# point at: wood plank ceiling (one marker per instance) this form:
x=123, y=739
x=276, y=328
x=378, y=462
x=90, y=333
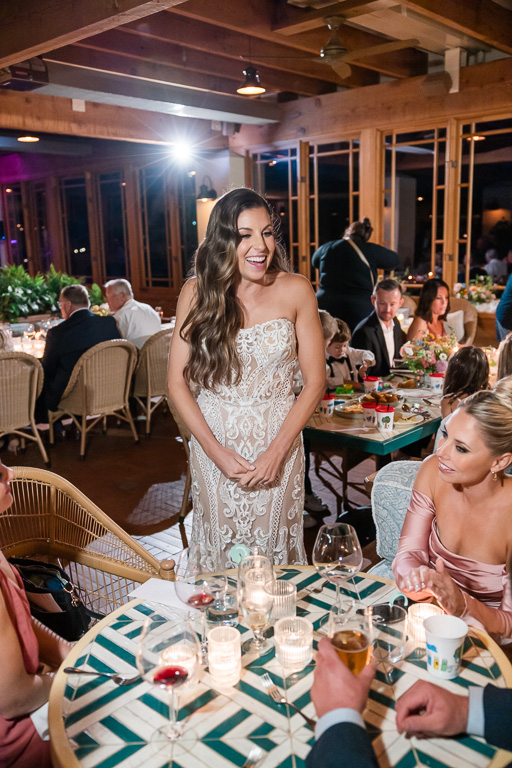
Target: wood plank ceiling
x=186, y=57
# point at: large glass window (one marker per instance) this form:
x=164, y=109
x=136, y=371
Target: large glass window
x=113, y=225
x=156, y=233
x=275, y=176
x=15, y=225
x=413, y=198
x=485, y=197
x=76, y=228
x=42, y=238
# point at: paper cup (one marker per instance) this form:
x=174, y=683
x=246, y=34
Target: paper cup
x=436, y=382
x=369, y=416
x=444, y=636
x=371, y=383
x=385, y=417
x=326, y=405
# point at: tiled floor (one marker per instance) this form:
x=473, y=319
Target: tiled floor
x=141, y=486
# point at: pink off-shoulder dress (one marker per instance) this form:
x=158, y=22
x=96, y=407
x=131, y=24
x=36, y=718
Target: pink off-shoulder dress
x=486, y=587
x=20, y=744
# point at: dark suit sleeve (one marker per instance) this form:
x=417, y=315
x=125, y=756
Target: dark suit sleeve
x=343, y=745
x=50, y=356
x=498, y=716
x=364, y=338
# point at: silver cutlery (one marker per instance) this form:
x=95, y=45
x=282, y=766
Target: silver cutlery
x=274, y=692
x=254, y=758
x=316, y=590
x=116, y=677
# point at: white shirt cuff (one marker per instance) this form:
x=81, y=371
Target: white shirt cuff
x=476, y=715
x=335, y=716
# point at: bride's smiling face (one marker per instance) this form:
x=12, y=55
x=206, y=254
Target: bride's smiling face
x=257, y=245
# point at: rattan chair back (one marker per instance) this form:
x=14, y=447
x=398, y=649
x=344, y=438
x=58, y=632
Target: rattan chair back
x=99, y=386
x=21, y=382
x=470, y=318
x=150, y=377
x=410, y=303
x=53, y=520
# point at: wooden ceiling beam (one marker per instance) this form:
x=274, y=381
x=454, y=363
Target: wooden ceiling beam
x=259, y=17
x=488, y=22
x=54, y=114
x=33, y=27
x=291, y=20
x=162, y=62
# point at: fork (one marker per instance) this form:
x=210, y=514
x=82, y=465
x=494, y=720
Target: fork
x=274, y=692
x=316, y=590
x=254, y=758
x=114, y=676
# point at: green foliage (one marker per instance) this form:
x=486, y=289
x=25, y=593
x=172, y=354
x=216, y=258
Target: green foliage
x=22, y=295
x=95, y=295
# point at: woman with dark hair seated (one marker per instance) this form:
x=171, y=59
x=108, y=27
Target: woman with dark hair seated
x=30, y=655
x=467, y=373
x=433, y=307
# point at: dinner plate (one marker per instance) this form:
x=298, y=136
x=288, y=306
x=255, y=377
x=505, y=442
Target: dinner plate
x=339, y=410
x=416, y=393
x=415, y=419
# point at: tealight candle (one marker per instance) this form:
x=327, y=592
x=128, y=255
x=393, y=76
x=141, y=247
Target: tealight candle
x=294, y=642
x=417, y=614
x=224, y=655
x=284, y=598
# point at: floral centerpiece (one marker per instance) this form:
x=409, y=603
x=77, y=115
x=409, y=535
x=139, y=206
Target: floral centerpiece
x=100, y=309
x=430, y=354
x=477, y=291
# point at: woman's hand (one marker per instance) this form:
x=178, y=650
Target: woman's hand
x=267, y=467
x=415, y=584
x=232, y=465
x=447, y=593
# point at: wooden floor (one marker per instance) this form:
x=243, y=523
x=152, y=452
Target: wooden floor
x=141, y=485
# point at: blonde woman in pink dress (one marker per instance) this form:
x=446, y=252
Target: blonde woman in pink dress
x=456, y=541
x=30, y=653
x=242, y=322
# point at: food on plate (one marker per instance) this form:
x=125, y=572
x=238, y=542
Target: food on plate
x=408, y=384
x=380, y=398
x=353, y=408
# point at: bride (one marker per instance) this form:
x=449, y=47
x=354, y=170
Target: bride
x=241, y=322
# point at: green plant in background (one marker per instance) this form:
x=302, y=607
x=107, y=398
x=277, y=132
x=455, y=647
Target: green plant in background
x=22, y=295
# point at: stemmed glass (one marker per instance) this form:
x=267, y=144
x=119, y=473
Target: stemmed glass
x=390, y=636
x=337, y=557
x=197, y=588
x=168, y=656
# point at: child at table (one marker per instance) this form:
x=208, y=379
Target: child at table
x=345, y=364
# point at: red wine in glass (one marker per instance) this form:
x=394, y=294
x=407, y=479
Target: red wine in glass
x=170, y=676
x=201, y=601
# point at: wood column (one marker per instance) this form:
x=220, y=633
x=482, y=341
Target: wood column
x=451, y=204
x=303, y=209
x=55, y=224
x=371, y=180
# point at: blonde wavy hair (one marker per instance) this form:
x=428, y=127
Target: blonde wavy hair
x=493, y=411
x=211, y=326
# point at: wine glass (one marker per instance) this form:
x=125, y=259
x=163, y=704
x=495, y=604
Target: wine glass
x=168, y=656
x=256, y=602
x=198, y=588
x=337, y=557
x=390, y=636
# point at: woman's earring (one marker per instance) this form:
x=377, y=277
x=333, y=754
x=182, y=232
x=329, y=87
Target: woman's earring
x=495, y=476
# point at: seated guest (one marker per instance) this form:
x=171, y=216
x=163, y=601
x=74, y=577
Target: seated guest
x=457, y=535
x=345, y=363
x=467, y=373
x=424, y=709
x=380, y=332
x=136, y=321
x=66, y=343
x=26, y=646
x=495, y=267
x=433, y=307
x=504, y=312
x=504, y=359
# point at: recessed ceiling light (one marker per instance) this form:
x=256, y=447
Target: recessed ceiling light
x=28, y=139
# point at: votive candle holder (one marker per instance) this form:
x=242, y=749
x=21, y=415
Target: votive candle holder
x=293, y=639
x=417, y=614
x=224, y=655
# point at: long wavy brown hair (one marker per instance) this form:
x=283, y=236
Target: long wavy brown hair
x=211, y=326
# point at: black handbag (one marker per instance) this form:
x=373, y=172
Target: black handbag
x=54, y=599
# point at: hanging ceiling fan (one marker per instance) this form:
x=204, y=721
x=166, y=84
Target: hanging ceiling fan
x=338, y=57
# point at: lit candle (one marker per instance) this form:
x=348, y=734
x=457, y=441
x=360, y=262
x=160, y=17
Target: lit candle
x=294, y=642
x=417, y=614
x=224, y=655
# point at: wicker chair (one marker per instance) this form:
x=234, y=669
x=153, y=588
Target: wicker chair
x=185, y=436
x=21, y=379
x=99, y=387
x=410, y=303
x=150, y=377
x=470, y=318
x=52, y=519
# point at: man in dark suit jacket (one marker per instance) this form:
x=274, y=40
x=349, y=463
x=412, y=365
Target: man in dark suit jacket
x=66, y=343
x=380, y=332
x=424, y=710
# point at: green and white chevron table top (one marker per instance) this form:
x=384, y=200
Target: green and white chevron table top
x=97, y=724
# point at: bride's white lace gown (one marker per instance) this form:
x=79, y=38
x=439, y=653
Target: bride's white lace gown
x=247, y=417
